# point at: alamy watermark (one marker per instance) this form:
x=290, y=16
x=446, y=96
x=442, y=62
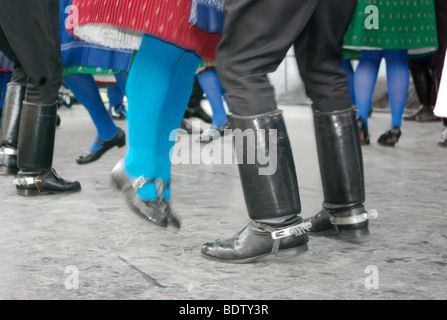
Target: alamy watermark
x=72, y=280
x=372, y=20
x=258, y=147
x=372, y=280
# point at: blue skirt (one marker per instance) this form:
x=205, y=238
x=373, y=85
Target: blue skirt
x=76, y=52
x=207, y=15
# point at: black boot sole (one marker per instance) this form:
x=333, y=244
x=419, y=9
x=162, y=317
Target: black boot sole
x=285, y=253
x=46, y=183
x=35, y=192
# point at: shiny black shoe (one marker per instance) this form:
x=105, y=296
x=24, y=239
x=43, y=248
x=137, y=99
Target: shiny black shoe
x=119, y=140
x=423, y=114
x=257, y=241
x=363, y=130
x=118, y=112
x=321, y=224
x=347, y=223
x=427, y=117
x=390, y=137
x=157, y=211
x=49, y=182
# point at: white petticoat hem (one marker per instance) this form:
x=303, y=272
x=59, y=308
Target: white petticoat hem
x=109, y=36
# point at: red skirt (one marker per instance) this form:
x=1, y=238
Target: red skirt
x=163, y=19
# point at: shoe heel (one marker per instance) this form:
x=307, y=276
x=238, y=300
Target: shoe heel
x=28, y=192
x=293, y=251
x=353, y=231
x=353, y=234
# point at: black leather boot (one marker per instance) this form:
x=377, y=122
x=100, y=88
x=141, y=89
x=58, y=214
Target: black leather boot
x=271, y=194
x=341, y=168
x=12, y=108
x=425, y=85
x=35, y=153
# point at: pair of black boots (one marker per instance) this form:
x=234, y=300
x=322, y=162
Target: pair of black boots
x=273, y=200
x=27, y=145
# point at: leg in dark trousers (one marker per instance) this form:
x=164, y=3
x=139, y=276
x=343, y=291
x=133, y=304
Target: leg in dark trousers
x=29, y=36
x=318, y=55
x=243, y=61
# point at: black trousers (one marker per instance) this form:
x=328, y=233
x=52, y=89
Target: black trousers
x=29, y=36
x=432, y=66
x=258, y=34
x=441, y=26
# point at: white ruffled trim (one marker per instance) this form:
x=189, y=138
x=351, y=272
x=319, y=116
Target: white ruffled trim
x=415, y=51
x=104, y=78
x=109, y=36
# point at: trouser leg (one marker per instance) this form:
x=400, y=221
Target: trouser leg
x=32, y=41
x=336, y=131
x=243, y=61
x=30, y=38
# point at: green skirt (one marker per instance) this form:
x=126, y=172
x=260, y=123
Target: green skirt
x=393, y=24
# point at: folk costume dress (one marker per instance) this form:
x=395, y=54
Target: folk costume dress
x=86, y=65
x=122, y=23
x=159, y=85
x=393, y=24
x=392, y=30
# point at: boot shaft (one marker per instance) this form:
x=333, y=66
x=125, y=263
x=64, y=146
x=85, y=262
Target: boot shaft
x=36, y=137
x=340, y=158
x=270, y=189
x=12, y=108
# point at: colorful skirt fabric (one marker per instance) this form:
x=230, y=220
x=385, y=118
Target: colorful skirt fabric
x=207, y=15
x=393, y=24
x=122, y=23
x=6, y=64
x=88, y=70
x=80, y=56
x=205, y=65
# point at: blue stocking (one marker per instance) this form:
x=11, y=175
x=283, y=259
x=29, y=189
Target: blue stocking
x=398, y=80
x=115, y=95
x=86, y=91
x=121, y=81
x=365, y=77
x=158, y=89
x=212, y=88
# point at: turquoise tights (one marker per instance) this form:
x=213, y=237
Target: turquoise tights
x=158, y=88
